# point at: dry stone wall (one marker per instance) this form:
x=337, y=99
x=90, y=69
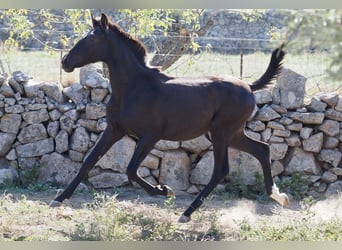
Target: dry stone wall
x=51, y=129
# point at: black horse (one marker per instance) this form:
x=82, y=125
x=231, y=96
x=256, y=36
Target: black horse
x=151, y=106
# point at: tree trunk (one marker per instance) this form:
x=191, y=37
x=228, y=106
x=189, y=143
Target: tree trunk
x=175, y=46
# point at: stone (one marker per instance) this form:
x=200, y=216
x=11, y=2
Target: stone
x=89, y=125
x=3, y=78
x=316, y=105
x=73, y=114
x=295, y=127
x=16, y=86
x=333, y=115
x=57, y=169
x=37, y=116
x=278, y=151
x=307, y=118
x=266, y=134
x=330, y=127
x=175, y=170
x=76, y=156
x=329, y=98
x=79, y=140
x=101, y=124
x=15, y=109
x=6, y=142
x=10, y=123
x=52, y=128
x=281, y=133
x=293, y=141
x=151, y=162
x=65, y=107
x=334, y=189
x=276, y=139
x=305, y=132
x=53, y=90
x=32, y=133
x=263, y=96
x=245, y=165
x=253, y=135
x=6, y=90
x=301, y=161
x=266, y=113
x=275, y=125
x=291, y=87
x=314, y=143
x=331, y=156
x=32, y=89
x=328, y=177
x=62, y=142
x=12, y=155
x=167, y=145
x=330, y=143
x=143, y=171
x=92, y=77
x=256, y=125
x=55, y=115
x=97, y=95
x=108, y=179
x=95, y=111
x=20, y=76
x=67, y=124
x=286, y=121
x=77, y=93
x=277, y=168
x=336, y=171
x=203, y=171
x=196, y=145
x=8, y=176
x=37, y=148
x=118, y=156
x=338, y=107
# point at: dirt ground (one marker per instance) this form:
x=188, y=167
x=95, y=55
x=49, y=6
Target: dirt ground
x=230, y=213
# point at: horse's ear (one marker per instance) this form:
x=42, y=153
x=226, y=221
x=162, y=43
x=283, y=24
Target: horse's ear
x=104, y=21
x=94, y=21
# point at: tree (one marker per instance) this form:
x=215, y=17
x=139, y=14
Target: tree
x=317, y=30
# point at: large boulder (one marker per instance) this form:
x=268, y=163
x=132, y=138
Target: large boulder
x=290, y=89
x=175, y=169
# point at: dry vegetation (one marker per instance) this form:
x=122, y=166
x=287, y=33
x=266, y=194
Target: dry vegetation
x=130, y=214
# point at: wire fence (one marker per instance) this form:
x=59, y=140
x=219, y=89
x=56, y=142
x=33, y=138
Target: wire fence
x=244, y=58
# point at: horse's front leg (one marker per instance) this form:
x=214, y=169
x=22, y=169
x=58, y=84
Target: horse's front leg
x=108, y=138
x=143, y=147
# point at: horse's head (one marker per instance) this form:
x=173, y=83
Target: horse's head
x=91, y=48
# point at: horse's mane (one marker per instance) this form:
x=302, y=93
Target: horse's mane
x=136, y=45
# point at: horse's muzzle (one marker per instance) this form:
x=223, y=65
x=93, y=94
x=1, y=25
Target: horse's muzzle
x=66, y=65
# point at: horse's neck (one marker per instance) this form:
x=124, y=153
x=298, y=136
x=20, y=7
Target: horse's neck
x=121, y=76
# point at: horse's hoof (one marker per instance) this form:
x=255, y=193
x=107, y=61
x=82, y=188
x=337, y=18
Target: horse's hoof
x=286, y=201
x=55, y=203
x=184, y=219
x=169, y=191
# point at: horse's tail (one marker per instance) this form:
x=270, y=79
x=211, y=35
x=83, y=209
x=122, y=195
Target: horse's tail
x=272, y=70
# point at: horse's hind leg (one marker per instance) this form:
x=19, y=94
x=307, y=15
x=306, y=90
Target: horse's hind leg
x=143, y=147
x=261, y=151
x=108, y=138
x=221, y=169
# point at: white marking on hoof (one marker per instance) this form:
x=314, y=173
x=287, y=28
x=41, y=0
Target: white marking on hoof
x=169, y=191
x=281, y=198
x=183, y=219
x=59, y=192
x=54, y=203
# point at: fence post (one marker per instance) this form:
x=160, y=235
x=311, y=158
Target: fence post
x=241, y=59
x=60, y=67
